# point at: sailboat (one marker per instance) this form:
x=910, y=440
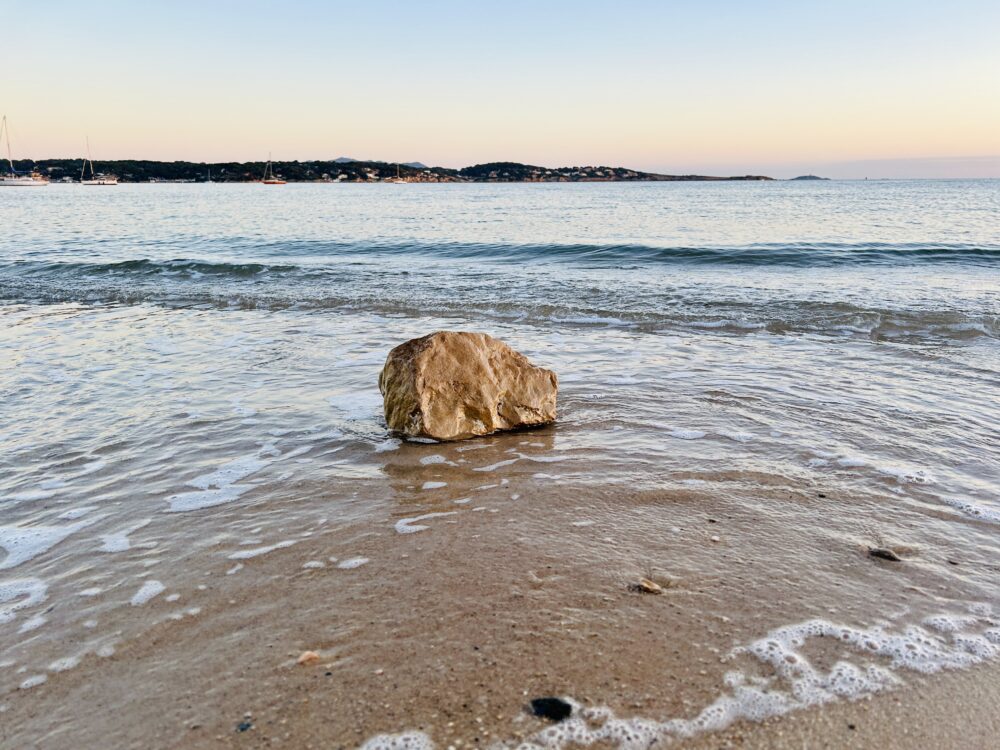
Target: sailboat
x=397, y=180
x=269, y=177
x=12, y=178
x=95, y=178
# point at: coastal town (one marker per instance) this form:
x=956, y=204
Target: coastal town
x=345, y=170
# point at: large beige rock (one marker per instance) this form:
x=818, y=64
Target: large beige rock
x=453, y=385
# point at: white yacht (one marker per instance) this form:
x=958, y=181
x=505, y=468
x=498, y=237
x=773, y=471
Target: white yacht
x=13, y=178
x=96, y=178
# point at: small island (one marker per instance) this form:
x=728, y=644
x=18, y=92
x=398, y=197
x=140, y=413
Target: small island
x=808, y=177
x=345, y=169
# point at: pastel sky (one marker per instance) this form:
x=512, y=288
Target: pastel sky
x=879, y=88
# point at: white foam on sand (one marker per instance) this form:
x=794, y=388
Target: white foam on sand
x=351, y=563
x=907, y=474
x=64, y=664
x=32, y=623
x=119, y=541
x=186, y=501
x=246, y=554
x=433, y=485
x=229, y=473
x=389, y=444
x=411, y=525
x=401, y=741
x=33, y=681
x=147, y=591
x=20, y=594
x=219, y=486
x=871, y=662
x=24, y=543
x=974, y=510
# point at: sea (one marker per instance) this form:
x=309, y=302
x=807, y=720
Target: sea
x=760, y=385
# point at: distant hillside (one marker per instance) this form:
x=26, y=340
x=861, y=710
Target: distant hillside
x=344, y=169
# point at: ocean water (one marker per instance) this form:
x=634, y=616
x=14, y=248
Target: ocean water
x=188, y=386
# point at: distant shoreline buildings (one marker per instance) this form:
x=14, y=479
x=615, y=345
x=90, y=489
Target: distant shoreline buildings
x=346, y=170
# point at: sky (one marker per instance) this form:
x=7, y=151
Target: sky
x=880, y=88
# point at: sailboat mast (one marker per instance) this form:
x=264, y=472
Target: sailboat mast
x=6, y=132
x=83, y=170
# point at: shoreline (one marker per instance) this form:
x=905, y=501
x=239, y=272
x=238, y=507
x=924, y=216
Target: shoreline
x=450, y=631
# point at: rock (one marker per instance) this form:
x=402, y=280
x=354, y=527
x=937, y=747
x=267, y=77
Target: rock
x=884, y=553
x=645, y=586
x=555, y=709
x=454, y=385
x=307, y=657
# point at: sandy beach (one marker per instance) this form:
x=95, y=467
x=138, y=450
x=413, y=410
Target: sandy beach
x=452, y=629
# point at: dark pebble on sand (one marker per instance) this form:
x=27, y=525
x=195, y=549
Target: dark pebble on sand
x=884, y=554
x=555, y=709
x=850, y=726
x=244, y=726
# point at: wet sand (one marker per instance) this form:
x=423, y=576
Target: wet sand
x=451, y=630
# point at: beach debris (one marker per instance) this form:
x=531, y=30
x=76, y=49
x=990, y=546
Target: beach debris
x=645, y=586
x=884, y=553
x=307, y=657
x=244, y=726
x=453, y=385
x=554, y=709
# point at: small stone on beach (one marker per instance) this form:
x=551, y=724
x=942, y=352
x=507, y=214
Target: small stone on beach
x=645, y=586
x=307, y=657
x=884, y=553
x=555, y=709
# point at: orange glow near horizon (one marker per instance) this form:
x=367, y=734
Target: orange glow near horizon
x=187, y=91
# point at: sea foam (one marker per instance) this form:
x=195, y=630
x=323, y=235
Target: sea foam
x=411, y=525
x=21, y=594
x=24, y=543
x=877, y=656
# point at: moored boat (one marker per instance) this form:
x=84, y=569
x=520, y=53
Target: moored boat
x=96, y=178
x=14, y=178
x=270, y=178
